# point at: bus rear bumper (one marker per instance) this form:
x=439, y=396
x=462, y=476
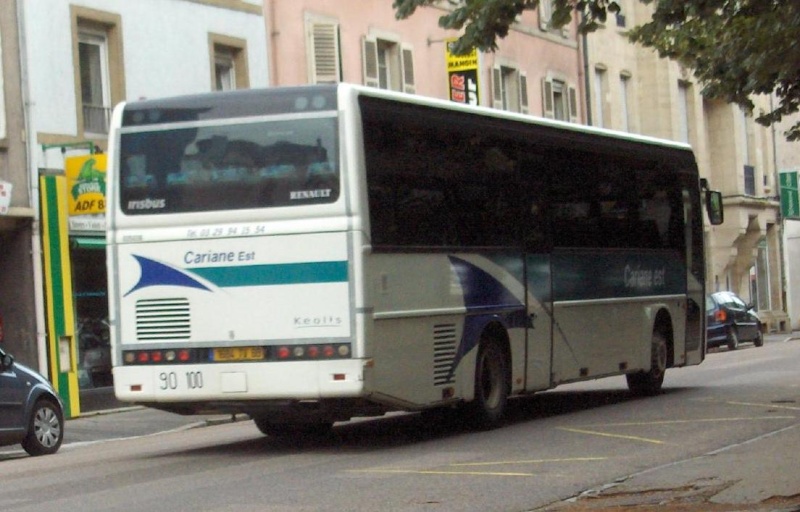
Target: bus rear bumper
x=172, y=385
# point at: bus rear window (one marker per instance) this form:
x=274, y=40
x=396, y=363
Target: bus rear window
x=229, y=166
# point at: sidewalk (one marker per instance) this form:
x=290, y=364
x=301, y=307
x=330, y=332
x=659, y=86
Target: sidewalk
x=758, y=475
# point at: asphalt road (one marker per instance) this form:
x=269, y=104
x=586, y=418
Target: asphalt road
x=725, y=433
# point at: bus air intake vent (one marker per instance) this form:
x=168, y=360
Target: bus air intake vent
x=444, y=353
x=162, y=319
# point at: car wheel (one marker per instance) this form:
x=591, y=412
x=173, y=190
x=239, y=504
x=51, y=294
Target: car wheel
x=45, y=429
x=733, y=339
x=649, y=383
x=759, y=339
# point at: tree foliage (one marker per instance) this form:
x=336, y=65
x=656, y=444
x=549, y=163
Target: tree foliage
x=736, y=48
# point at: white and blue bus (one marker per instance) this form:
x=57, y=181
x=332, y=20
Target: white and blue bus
x=306, y=255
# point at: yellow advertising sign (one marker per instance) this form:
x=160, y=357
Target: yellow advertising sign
x=462, y=75
x=86, y=184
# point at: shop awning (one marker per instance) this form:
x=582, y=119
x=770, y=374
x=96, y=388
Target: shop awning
x=88, y=242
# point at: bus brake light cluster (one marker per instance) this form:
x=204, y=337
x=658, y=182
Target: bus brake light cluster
x=249, y=354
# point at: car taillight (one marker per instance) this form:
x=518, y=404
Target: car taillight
x=721, y=315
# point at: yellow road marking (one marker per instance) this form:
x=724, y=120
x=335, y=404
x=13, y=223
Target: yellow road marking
x=532, y=461
x=618, y=436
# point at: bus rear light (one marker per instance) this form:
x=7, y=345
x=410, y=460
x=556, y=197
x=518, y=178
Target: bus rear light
x=246, y=354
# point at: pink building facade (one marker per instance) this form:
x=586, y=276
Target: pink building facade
x=535, y=69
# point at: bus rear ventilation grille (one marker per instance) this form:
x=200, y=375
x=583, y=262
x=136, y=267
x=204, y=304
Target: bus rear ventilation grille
x=163, y=319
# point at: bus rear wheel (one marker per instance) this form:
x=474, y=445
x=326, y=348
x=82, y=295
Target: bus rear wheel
x=487, y=410
x=649, y=383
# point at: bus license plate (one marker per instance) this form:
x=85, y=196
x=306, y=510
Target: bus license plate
x=239, y=354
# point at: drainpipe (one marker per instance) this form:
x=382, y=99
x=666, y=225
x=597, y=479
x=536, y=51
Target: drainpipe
x=586, y=78
x=782, y=246
x=272, y=35
x=33, y=192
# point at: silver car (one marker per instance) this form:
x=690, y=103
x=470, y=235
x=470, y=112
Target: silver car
x=31, y=412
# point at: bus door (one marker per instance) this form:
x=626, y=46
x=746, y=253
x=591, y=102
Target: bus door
x=538, y=280
x=540, y=322
x=695, y=277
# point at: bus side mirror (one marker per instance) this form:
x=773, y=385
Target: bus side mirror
x=714, y=207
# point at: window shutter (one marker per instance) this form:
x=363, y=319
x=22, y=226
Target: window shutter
x=573, y=104
x=325, y=52
x=497, y=88
x=547, y=99
x=370, y=62
x=407, y=57
x=523, y=93
x=545, y=13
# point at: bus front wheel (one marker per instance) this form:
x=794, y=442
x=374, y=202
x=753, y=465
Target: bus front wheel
x=649, y=383
x=487, y=409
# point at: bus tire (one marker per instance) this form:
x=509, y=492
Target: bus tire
x=487, y=410
x=649, y=383
x=292, y=429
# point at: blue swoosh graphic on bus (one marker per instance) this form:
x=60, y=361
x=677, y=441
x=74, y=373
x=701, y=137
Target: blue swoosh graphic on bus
x=484, y=294
x=155, y=273
x=481, y=290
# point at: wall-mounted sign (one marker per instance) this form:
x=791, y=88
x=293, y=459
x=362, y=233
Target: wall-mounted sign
x=86, y=192
x=462, y=75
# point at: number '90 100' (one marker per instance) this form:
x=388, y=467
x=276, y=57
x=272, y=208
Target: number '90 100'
x=171, y=381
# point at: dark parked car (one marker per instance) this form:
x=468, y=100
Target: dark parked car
x=31, y=412
x=731, y=321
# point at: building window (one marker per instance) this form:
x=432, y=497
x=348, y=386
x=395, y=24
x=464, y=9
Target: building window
x=93, y=61
x=322, y=42
x=99, y=68
x=224, y=70
x=228, y=63
x=600, y=95
x=560, y=100
x=509, y=89
x=388, y=64
x=683, y=112
x=624, y=85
